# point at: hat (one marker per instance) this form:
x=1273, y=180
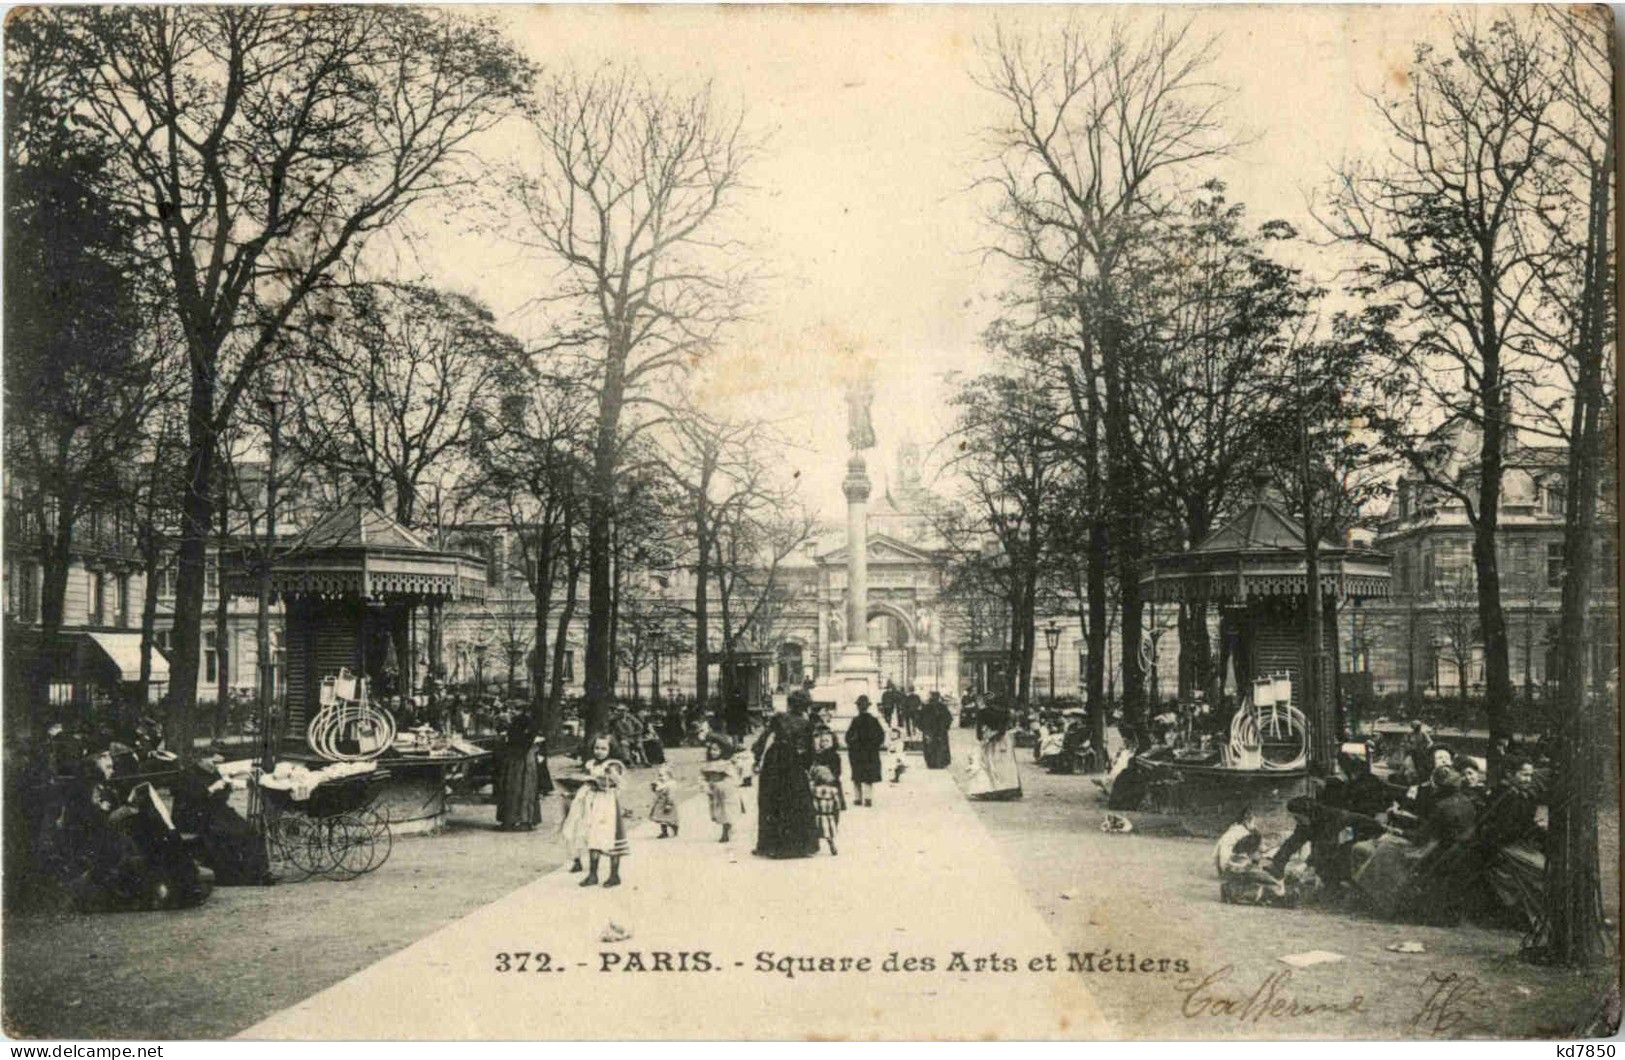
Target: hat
x=1445, y=777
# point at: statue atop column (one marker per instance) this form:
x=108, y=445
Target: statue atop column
x=860, y=428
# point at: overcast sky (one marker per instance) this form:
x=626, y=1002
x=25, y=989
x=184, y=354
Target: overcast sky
x=862, y=207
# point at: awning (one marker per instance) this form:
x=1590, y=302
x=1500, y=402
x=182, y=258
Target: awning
x=124, y=651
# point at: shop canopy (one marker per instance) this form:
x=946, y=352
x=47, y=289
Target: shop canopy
x=122, y=651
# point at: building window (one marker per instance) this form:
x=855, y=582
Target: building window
x=211, y=577
x=163, y=640
x=570, y=665
x=211, y=658
x=166, y=583
x=1554, y=565
x=98, y=598
x=121, y=601
x=1554, y=499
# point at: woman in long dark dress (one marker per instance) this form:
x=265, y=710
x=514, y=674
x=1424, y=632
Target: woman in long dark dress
x=786, y=826
x=864, y=740
x=936, y=719
x=518, y=779
x=230, y=847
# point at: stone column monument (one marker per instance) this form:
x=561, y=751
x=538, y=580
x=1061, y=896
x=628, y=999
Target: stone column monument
x=855, y=673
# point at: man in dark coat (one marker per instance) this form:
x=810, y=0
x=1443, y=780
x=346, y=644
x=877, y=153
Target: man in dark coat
x=864, y=739
x=911, y=711
x=891, y=701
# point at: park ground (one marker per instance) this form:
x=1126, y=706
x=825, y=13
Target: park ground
x=924, y=873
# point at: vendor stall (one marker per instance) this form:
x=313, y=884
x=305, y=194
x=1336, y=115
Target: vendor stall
x=1254, y=570
x=352, y=589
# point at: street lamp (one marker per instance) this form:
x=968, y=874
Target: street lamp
x=657, y=634
x=1052, y=638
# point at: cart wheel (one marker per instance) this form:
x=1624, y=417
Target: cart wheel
x=288, y=841
x=383, y=837
x=350, y=846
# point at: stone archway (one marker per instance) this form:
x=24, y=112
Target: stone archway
x=892, y=643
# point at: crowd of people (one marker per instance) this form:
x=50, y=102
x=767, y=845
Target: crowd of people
x=1434, y=843
x=105, y=818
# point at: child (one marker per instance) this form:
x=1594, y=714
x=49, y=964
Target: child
x=594, y=822
x=894, y=747
x=744, y=766
x=664, y=810
x=827, y=800
x=1237, y=858
x=722, y=784
x=825, y=754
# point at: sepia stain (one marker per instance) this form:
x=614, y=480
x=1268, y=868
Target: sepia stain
x=1399, y=77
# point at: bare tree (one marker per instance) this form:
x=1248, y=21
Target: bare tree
x=624, y=192
x=1573, y=930
x=716, y=463
x=84, y=366
x=1008, y=460
x=752, y=540
x=394, y=385
x=1096, y=128
x=260, y=147
x=1449, y=236
x=529, y=467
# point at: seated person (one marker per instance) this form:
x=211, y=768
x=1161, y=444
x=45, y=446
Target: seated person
x=1446, y=865
x=128, y=853
x=231, y=848
x=1418, y=801
x=1513, y=846
x=1363, y=791
x=1330, y=832
x=1237, y=858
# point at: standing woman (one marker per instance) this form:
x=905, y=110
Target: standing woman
x=518, y=787
x=864, y=739
x=993, y=774
x=786, y=826
x=935, y=720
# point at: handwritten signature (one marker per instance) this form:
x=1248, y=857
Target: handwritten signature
x=1449, y=996
x=1270, y=1000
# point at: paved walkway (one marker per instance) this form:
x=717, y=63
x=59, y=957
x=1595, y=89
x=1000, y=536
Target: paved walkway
x=918, y=876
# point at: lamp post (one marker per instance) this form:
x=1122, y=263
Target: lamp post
x=272, y=401
x=657, y=634
x=1052, y=638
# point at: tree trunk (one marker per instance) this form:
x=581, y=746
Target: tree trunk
x=561, y=641
x=150, y=563
x=1491, y=615
x=1574, y=931
x=600, y=662
x=542, y=596
x=222, y=622
x=702, y=617
x=197, y=525
x=56, y=559
x=1095, y=580
x=1123, y=502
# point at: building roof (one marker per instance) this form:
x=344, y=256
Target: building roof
x=1263, y=551
x=356, y=550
